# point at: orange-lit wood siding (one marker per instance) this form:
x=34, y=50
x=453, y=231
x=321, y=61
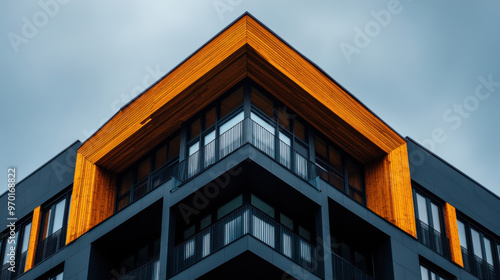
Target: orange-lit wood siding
x=93, y=197
x=388, y=189
x=450, y=220
x=35, y=229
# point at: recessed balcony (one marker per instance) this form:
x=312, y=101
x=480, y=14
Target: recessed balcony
x=246, y=220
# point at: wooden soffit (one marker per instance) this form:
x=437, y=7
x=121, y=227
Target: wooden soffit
x=244, y=49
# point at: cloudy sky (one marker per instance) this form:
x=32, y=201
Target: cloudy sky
x=427, y=68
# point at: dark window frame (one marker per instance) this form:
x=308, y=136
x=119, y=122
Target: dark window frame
x=20, y=228
x=469, y=224
x=51, y=205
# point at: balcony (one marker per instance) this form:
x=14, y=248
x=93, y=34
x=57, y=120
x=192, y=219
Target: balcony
x=245, y=220
x=478, y=266
x=343, y=270
x=433, y=239
x=50, y=245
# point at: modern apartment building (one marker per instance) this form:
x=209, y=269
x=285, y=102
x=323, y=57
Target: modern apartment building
x=247, y=161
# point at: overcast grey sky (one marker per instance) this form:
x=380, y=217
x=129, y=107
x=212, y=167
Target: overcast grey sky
x=430, y=69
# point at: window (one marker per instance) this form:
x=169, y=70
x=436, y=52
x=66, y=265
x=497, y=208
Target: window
x=53, y=229
x=428, y=213
x=20, y=240
x=477, y=250
x=427, y=274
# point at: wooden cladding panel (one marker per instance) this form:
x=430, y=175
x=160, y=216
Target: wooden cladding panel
x=320, y=87
x=450, y=220
x=93, y=197
x=33, y=243
x=388, y=189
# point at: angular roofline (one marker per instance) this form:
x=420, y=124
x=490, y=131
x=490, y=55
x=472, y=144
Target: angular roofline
x=45, y=164
x=453, y=167
x=215, y=36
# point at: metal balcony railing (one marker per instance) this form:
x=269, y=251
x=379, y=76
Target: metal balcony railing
x=5, y=274
x=50, y=245
x=344, y=270
x=479, y=267
x=246, y=220
x=433, y=239
x=147, y=271
x=245, y=132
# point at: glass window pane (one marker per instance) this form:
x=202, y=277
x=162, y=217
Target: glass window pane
x=476, y=243
x=231, y=123
x=195, y=129
x=262, y=123
x=299, y=130
x=461, y=234
x=174, y=147
x=231, y=102
x=59, y=276
x=189, y=232
x=161, y=156
x=304, y=233
x=46, y=223
x=335, y=158
x=230, y=206
x=26, y=238
x=285, y=139
x=205, y=222
x=58, y=216
x=262, y=102
x=284, y=118
x=210, y=118
x=143, y=169
x=436, y=221
x=354, y=175
x=487, y=251
x=123, y=202
x=286, y=221
x=424, y=273
x=194, y=148
x=422, y=209
x=6, y=256
x=126, y=183
x=209, y=137
x=262, y=206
